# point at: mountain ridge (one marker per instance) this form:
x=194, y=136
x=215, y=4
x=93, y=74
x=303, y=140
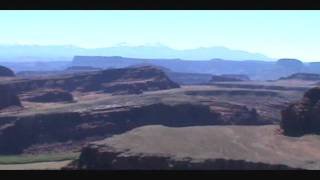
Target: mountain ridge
x=143, y=51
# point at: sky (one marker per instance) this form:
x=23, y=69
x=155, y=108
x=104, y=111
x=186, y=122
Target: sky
x=277, y=34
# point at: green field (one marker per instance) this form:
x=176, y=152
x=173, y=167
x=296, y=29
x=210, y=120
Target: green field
x=23, y=159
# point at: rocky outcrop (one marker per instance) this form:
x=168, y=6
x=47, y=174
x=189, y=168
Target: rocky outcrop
x=18, y=133
x=302, y=76
x=69, y=70
x=130, y=80
x=181, y=78
x=292, y=64
x=224, y=78
x=261, y=86
x=28, y=74
x=239, y=92
x=6, y=72
x=242, y=77
x=197, y=148
x=48, y=95
x=303, y=117
x=8, y=97
x=82, y=69
x=189, y=78
x=93, y=159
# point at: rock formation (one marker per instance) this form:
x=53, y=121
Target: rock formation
x=303, y=117
x=125, y=80
x=223, y=78
x=303, y=76
x=181, y=78
x=6, y=72
x=48, y=95
x=18, y=133
x=292, y=64
x=242, y=77
x=8, y=97
x=197, y=148
x=82, y=68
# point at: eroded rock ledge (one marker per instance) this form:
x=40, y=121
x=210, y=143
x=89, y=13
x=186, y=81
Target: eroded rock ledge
x=303, y=117
x=198, y=148
x=92, y=158
x=6, y=72
x=18, y=133
x=118, y=81
x=48, y=95
x=8, y=97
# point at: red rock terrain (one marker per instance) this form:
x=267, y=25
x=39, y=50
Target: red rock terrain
x=48, y=95
x=223, y=78
x=111, y=102
x=201, y=148
x=6, y=72
x=303, y=117
x=125, y=80
x=19, y=133
x=96, y=115
x=8, y=97
x=303, y=76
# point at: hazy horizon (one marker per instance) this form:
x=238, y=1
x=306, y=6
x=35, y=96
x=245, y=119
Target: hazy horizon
x=147, y=51
x=275, y=34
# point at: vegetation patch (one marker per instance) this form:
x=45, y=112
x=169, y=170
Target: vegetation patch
x=23, y=159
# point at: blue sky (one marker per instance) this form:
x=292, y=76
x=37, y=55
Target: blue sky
x=277, y=34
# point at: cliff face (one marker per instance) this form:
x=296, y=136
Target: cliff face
x=242, y=77
x=223, y=78
x=198, y=148
x=8, y=97
x=93, y=158
x=126, y=80
x=303, y=76
x=303, y=117
x=48, y=95
x=291, y=64
x=6, y=72
x=18, y=133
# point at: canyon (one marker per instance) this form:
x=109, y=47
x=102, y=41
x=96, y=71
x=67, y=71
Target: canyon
x=75, y=111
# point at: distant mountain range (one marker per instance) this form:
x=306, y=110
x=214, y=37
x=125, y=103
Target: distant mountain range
x=215, y=60
x=256, y=70
x=62, y=53
x=177, y=68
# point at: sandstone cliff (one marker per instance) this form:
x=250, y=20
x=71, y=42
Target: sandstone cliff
x=303, y=117
x=8, y=97
x=125, y=80
x=6, y=72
